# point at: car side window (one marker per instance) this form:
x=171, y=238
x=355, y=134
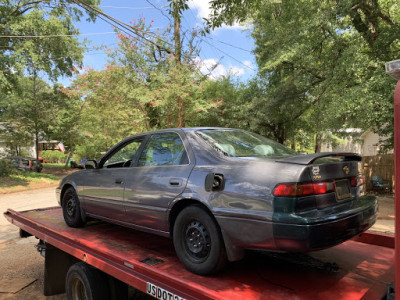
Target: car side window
x=164, y=149
x=124, y=156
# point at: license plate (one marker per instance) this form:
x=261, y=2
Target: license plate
x=342, y=189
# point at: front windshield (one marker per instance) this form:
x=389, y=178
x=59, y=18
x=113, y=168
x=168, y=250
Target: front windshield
x=240, y=143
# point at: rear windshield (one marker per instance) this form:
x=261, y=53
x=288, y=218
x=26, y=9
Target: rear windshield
x=240, y=143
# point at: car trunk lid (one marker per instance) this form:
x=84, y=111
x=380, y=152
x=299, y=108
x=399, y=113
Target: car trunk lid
x=343, y=170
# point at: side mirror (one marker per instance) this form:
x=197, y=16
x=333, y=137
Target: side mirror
x=90, y=164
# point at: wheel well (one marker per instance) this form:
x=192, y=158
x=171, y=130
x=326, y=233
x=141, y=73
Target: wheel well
x=65, y=187
x=178, y=207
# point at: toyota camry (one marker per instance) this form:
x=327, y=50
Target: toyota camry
x=218, y=191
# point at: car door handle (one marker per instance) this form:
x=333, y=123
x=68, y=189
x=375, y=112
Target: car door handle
x=119, y=181
x=175, y=182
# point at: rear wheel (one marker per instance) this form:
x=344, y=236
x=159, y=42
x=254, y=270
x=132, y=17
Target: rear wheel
x=84, y=282
x=72, y=208
x=198, y=241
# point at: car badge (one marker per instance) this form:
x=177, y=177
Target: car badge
x=346, y=170
x=315, y=171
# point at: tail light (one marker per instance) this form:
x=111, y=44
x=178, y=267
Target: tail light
x=304, y=189
x=357, y=181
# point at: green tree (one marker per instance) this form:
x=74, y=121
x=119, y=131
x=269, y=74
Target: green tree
x=31, y=112
x=322, y=62
x=39, y=35
x=143, y=87
x=66, y=119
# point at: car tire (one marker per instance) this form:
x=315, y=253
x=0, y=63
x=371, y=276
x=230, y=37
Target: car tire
x=198, y=241
x=71, y=208
x=86, y=282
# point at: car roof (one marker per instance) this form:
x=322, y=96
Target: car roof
x=184, y=129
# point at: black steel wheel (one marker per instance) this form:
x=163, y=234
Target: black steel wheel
x=71, y=208
x=198, y=241
x=84, y=282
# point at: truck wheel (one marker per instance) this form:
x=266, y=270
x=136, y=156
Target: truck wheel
x=72, y=208
x=84, y=282
x=198, y=241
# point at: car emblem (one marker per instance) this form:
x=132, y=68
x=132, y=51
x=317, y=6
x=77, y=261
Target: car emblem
x=346, y=170
x=315, y=171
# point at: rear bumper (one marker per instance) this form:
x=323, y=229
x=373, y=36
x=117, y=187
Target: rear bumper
x=304, y=238
x=240, y=233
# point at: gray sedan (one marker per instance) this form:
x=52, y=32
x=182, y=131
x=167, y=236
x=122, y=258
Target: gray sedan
x=220, y=191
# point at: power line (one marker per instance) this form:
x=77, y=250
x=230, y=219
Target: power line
x=159, y=8
x=225, y=43
x=121, y=25
x=134, y=8
x=214, y=47
x=54, y=35
x=247, y=66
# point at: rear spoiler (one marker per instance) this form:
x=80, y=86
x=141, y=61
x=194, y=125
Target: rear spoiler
x=310, y=158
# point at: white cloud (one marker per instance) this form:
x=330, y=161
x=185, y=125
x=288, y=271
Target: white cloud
x=203, y=11
x=202, y=7
x=248, y=64
x=208, y=66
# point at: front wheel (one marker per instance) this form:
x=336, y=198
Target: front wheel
x=198, y=241
x=72, y=208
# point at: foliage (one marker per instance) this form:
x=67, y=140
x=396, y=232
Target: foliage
x=226, y=110
x=30, y=112
x=6, y=167
x=320, y=72
x=88, y=150
x=142, y=88
x=54, y=55
x=16, y=137
x=52, y=156
x=38, y=38
x=321, y=63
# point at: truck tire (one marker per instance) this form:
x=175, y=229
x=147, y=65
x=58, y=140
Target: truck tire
x=198, y=241
x=71, y=208
x=86, y=282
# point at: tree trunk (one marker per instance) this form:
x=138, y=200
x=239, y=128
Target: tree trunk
x=71, y=150
x=318, y=143
x=177, y=33
x=293, y=146
x=35, y=117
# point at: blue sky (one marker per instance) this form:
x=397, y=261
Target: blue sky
x=230, y=46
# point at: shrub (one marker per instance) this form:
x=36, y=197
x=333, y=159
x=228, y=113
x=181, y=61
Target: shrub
x=52, y=156
x=6, y=167
x=86, y=151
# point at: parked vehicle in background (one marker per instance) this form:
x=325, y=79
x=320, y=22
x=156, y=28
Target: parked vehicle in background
x=76, y=164
x=219, y=191
x=25, y=163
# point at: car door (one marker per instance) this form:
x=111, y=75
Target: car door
x=160, y=175
x=104, y=186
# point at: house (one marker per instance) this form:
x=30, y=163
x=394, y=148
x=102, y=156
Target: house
x=365, y=143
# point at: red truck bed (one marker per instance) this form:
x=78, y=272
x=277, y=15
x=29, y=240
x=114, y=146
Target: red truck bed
x=352, y=270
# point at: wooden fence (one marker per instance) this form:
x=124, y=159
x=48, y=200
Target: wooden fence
x=380, y=165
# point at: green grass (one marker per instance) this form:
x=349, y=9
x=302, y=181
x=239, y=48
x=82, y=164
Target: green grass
x=54, y=165
x=25, y=177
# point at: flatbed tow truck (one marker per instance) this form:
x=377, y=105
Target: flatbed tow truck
x=112, y=258
x=105, y=259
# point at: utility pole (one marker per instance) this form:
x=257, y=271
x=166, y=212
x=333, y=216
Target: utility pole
x=177, y=30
